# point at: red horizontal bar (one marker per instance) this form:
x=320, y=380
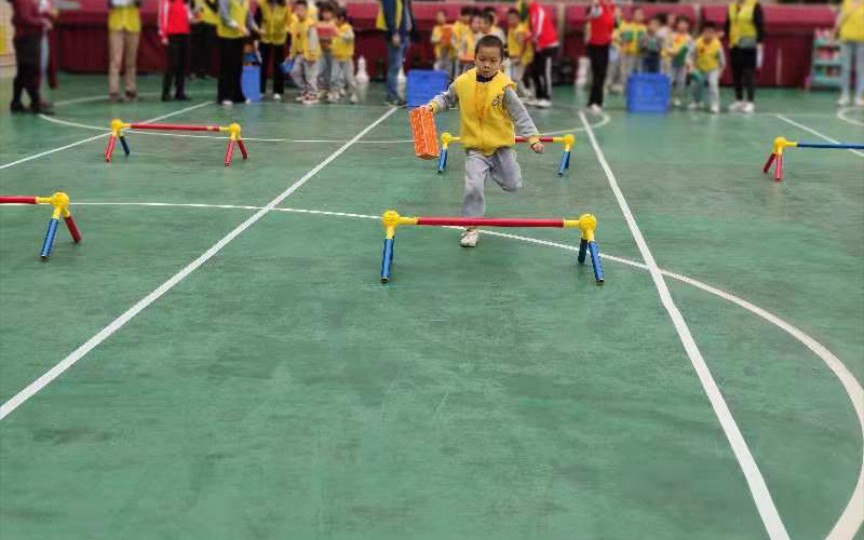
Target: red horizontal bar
x=541, y=139
x=490, y=222
x=18, y=200
x=173, y=127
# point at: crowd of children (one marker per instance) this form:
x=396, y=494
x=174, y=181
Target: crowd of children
x=656, y=47
x=455, y=44
x=319, y=58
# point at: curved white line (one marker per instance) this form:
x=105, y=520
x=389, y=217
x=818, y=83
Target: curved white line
x=841, y=114
x=853, y=515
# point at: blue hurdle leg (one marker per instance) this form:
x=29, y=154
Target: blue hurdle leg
x=442, y=161
x=387, y=260
x=565, y=163
x=125, y=146
x=583, y=246
x=595, y=262
x=49, y=238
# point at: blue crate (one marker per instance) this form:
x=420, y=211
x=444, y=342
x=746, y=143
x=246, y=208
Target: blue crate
x=648, y=93
x=250, y=82
x=424, y=84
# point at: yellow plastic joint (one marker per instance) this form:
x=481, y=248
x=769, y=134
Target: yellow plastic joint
x=392, y=219
x=569, y=140
x=117, y=127
x=588, y=224
x=781, y=143
x=447, y=138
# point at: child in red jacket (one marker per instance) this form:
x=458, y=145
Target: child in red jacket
x=174, y=16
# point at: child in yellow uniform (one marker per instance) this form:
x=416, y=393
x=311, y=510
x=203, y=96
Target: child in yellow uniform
x=306, y=52
x=707, y=63
x=274, y=18
x=342, y=78
x=490, y=115
x=678, y=52
x=467, y=43
x=442, y=42
x=850, y=28
x=520, y=49
x=631, y=37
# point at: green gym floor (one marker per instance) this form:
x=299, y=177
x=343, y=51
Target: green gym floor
x=185, y=373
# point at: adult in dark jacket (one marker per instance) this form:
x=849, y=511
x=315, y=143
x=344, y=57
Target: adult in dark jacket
x=396, y=18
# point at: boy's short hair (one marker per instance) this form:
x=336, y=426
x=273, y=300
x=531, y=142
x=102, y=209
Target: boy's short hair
x=488, y=17
x=512, y=11
x=657, y=19
x=326, y=6
x=301, y=3
x=341, y=13
x=489, y=41
x=682, y=18
x=490, y=9
x=467, y=10
x=708, y=24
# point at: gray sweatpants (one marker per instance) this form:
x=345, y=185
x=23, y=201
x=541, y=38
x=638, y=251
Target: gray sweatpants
x=712, y=79
x=305, y=75
x=342, y=76
x=679, y=81
x=325, y=70
x=501, y=167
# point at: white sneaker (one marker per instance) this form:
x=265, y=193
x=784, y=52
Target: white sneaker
x=676, y=103
x=227, y=103
x=715, y=109
x=311, y=99
x=301, y=97
x=469, y=237
x=333, y=97
x=277, y=97
x=736, y=106
x=530, y=102
x=353, y=99
x=748, y=107
x=248, y=101
x=859, y=102
x=543, y=103
x=694, y=106
x=595, y=109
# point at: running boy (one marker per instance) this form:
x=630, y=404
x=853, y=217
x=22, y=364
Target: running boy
x=305, y=52
x=490, y=114
x=342, y=79
x=678, y=52
x=708, y=63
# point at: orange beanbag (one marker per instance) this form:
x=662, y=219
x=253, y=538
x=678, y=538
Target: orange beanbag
x=423, y=131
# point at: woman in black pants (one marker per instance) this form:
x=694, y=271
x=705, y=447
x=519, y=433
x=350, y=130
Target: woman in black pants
x=745, y=28
x=602, y=19
x=29, y=25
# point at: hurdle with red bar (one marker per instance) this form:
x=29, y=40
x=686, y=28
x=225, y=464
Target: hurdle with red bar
x=234, y=132
x=586, y=223
x=60, y=202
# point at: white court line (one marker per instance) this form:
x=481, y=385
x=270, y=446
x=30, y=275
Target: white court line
x=93, y=138
x=853, y=515
x=841, y=115
x=814, y=132
x=21, y=397
x=759, y=490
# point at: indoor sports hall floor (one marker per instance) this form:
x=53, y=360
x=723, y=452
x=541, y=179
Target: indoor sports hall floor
x=228, y=372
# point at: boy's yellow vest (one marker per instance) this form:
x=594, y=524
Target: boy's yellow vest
x=300, y=40
x=124, y=18
x=274, y=23
x=852, y=20
x=342, y=50
x=708, y=55
x=679, y=49
x=484, y=122
x=208, y=16
x=239, y=11
x=631, y=34
x=741, y=23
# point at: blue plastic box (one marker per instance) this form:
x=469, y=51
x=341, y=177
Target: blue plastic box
x=424, y=84
x=648, y=93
